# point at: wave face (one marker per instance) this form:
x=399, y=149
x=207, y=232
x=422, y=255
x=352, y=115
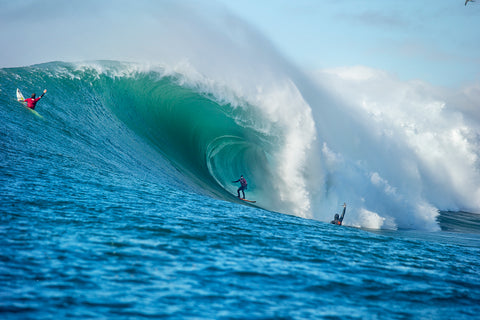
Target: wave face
x=207, y=132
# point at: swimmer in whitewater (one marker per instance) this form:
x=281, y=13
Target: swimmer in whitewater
x=32, y=101
x=339, y=219
x=243, y=186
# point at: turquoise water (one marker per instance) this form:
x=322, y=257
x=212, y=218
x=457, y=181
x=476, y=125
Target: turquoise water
x=110, y=211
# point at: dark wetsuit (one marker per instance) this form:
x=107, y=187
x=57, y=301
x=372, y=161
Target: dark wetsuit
x=338, y=220
x=243, y=186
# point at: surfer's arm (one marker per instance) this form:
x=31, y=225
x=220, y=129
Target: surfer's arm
x=44, y=91
x=343, y=213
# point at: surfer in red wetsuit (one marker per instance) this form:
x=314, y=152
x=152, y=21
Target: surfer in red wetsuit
x=243, y=186
x=32, y=102
x=339, y=219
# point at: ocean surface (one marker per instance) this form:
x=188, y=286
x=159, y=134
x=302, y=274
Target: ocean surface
x=117, y=202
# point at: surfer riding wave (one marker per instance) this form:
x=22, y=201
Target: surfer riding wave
x=243, y=186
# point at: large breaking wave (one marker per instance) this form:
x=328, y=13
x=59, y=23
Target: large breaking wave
x=302, y=158
x=215, y=99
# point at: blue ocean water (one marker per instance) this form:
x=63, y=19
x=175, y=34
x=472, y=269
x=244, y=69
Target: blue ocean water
x=118, y=204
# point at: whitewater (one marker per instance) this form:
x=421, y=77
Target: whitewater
x=119, y=201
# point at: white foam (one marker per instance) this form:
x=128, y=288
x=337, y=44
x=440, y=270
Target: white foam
x=418, y=152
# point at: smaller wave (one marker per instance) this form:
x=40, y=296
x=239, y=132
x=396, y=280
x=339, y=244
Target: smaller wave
x=459, y=221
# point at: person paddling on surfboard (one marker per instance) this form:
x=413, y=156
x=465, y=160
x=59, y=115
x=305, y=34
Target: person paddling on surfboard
x=338, y=220
x=243, y=186
x=32, y=101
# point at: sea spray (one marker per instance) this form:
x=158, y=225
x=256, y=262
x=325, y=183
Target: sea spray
x=416, y=154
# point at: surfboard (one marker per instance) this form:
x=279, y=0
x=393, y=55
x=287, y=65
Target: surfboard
x=246, y=200
x=21, y=99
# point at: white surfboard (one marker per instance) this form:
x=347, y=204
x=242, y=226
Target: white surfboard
x=20, y=97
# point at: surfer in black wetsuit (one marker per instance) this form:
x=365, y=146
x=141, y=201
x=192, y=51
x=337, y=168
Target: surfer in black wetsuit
x=243, y=186
x=338, y=220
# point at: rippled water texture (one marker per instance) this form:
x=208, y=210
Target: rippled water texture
x=178, y=255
